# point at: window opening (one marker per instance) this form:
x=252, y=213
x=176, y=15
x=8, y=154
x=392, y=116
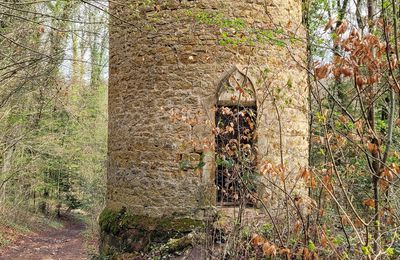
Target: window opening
x=235, y=121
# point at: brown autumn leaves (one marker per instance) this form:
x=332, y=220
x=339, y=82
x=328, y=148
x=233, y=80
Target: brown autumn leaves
x=363, y=57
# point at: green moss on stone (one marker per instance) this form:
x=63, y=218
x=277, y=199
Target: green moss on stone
x=126, y=232
x=179, y=225
x=109, y=222
x=113, y=222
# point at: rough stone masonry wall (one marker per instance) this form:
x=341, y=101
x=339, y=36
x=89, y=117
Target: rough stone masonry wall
x=163, y=59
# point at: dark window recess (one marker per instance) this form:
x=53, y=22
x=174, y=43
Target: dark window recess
x=235, y=154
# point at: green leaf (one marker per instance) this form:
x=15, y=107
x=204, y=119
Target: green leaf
x=311, y=246
x=366, y=250
x=200, y=165
x=390, y=251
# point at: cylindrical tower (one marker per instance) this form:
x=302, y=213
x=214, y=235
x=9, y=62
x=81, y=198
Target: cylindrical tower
x=171, y=64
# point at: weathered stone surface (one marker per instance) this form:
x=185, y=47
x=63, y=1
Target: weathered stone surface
x=124, y=232
x=163, y=59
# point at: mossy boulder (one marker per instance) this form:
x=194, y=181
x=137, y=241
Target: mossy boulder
x=122, y=231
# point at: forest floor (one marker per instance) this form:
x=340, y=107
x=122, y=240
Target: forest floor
x=50, y=244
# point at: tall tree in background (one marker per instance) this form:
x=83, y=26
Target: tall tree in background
x=52, y=113
x=353, y=108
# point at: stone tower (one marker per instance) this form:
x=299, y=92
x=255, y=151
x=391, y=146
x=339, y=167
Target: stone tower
x=171, y=64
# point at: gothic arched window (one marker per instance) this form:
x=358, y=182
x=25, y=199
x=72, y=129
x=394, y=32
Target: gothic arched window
x=235, y=130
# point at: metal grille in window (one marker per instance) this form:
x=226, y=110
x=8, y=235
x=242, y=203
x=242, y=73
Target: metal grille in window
x=235, y=154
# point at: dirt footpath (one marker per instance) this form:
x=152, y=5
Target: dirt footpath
x=52, y=244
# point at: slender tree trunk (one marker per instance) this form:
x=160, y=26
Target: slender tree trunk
x=5, y=170
x=375, y=154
